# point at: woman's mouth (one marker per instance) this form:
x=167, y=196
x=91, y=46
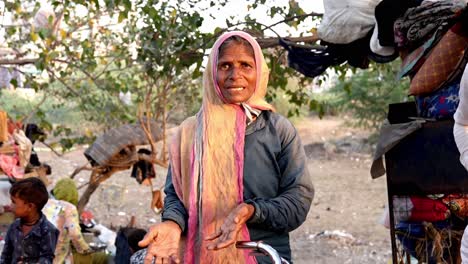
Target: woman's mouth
x=236, y=88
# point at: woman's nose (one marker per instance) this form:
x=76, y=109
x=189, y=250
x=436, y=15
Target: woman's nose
x=235, y=73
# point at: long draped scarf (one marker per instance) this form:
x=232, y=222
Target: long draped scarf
x=207, y=161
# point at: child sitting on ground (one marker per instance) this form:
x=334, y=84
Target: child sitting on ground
x=31, y=238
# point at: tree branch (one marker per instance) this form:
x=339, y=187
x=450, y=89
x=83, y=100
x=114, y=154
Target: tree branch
x=292, y=41
x=18, y=61
x=26, y=119
x=52, y=149
x=64, y=83
x=292, y=18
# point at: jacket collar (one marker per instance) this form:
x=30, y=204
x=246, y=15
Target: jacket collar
x=37, y=228
x=257, y=124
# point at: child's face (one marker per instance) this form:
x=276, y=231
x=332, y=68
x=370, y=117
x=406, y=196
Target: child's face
x=20, y=207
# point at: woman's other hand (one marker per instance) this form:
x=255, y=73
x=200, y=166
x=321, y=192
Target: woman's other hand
x=227, y=234
x=163, y=243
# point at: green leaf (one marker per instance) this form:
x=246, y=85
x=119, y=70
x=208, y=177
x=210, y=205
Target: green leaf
x=122, y=16
x=14, y=82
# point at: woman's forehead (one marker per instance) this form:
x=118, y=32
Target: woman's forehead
x=235, y=50
x=236, y=53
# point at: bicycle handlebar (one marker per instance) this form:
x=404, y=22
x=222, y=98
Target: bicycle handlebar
x=263, y=248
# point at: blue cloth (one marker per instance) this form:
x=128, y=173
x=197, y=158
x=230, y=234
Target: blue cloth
x=410, y=233
x=123, y=252
x=38, y=246
x=276, y=182
x=440, y=104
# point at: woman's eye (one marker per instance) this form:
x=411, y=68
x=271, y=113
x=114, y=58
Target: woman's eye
x=246, y=65
x=224, y=66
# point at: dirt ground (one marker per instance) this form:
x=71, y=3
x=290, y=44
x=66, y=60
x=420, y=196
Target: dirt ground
x=343, y=223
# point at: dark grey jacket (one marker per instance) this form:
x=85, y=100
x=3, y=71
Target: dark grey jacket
x=276, y=182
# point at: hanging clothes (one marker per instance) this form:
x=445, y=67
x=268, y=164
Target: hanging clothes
x=418, y=23
x=345, y=21
x=440, y=104
x=143, y=169
x=313, y=62
x=309, y=62
x=375, y=46
x=386, y=12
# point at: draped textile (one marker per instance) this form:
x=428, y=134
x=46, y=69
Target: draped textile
x=207, y=159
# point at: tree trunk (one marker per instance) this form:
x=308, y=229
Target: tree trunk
x=94, y=181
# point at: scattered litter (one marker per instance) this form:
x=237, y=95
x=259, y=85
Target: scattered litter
x=337, y=235
x=121, y=213
x=81, y=179
x=152, y=220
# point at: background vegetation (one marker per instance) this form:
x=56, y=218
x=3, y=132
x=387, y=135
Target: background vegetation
x=155, y=50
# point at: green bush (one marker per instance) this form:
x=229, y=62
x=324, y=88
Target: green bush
x=19, y=106
x=367, y=93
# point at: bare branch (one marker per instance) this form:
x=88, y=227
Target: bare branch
x=294, y=17
x=292, y=41
x=64, y=83
x=80, y=169
x=18, y=61
x=51, y=148
x=151, y=159
x=26, y=119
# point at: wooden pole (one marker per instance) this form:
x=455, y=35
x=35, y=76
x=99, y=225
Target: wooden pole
x=3, y=126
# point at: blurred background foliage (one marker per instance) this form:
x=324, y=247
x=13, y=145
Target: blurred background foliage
x=87, y=54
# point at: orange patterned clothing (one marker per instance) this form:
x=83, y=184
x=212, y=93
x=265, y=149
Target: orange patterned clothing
x=64, y=216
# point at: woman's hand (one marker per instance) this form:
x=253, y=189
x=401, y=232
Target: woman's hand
x=163, y=240
x=227, y=234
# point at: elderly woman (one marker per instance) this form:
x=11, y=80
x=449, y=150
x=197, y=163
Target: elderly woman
x=237, y=169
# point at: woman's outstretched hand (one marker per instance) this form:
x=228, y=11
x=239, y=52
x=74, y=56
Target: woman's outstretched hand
x=227, y=234
x=163, y=240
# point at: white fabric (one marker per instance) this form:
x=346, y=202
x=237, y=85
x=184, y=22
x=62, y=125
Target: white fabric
x=375, y=45
x=461, y=138
x=464, y=247
x=5, y=186
x=402, y=207
x=25, y=147
x=345, y=21
x=461, y=115
x=460, y=129
x=107, y=236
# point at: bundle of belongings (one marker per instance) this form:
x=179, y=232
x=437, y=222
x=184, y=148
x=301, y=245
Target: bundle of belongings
x=430, y=228
x=430, y=36
x=17, y=157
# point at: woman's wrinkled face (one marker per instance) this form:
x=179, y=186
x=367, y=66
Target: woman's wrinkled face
x=236, y=73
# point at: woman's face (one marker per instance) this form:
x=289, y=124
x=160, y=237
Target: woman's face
x=236, y=73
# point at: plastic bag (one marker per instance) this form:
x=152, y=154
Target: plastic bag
x=346, y=20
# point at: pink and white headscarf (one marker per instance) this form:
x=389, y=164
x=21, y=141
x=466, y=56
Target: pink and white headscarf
x=207, y=160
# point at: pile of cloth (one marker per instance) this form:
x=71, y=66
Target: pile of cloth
x=429, y=36
x=17, y=156
x=430, y=227
x=15, y=148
